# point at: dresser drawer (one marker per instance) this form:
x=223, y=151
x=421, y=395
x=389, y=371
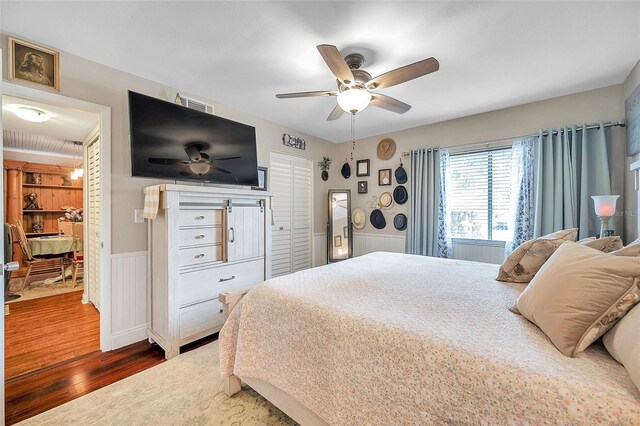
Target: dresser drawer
x=199, y=236
x=196, y=319
x=198, y=255
x=208, y=283
x=211, y=217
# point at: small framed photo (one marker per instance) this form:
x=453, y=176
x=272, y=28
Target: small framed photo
x=362, y=187
x=384, y=177
x=362, y=168
x=34, y=65
x=262, y=179
x=337, y=241
x=345, y=232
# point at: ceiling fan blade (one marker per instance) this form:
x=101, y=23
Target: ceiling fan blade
x=167, y=161
x=222, y=159
x=389, y=103
x=218, y=169
x=193, y=153
x=335, y=114
x=336, y=63
x=402, y=74
x=306, y=94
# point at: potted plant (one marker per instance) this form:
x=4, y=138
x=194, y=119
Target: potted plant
x=324, y=166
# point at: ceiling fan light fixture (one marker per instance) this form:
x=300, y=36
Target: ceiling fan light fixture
x=354, y=100
x=200, y=168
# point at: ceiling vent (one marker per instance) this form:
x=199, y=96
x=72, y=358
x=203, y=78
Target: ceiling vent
x=193, y=104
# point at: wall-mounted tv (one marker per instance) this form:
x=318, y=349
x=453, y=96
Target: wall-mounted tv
x=174, y=142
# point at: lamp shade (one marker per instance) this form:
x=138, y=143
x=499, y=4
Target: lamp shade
x=354, y=100
x=605, y=205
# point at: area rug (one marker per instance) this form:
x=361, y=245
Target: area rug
x=42, y=287
x=186, y=390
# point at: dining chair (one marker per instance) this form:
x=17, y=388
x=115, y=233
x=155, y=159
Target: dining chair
x=77, y=230
x=31, y=260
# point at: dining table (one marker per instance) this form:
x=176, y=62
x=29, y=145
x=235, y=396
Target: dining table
x=52, y=245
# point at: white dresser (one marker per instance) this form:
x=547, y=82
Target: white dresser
x=204, y=241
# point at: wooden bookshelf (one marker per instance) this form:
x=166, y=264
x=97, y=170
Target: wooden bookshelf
x=52, y=196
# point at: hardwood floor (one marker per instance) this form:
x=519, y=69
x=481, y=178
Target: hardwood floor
x=34, y=393
x=43, y=332
x=52, y=348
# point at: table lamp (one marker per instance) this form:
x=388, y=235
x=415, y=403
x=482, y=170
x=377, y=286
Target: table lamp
x=605, y=206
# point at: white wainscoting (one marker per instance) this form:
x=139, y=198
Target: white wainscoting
x=319, y=249
x=368, y=243
x=478, y=252
x=128, y=298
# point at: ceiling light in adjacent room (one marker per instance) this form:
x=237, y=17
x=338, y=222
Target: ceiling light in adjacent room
x=354, y=100
x=31, y=114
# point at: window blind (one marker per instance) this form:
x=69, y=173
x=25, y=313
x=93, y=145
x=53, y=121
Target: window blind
x=478, y=194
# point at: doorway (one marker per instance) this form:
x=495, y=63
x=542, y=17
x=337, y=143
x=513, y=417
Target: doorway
x=46, y=322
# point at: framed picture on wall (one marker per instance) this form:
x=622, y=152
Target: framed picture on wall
x=33, y=65
x=337, y=241
x=384, y=177
x=362, y=187
x=262, y=179
x=362, y=168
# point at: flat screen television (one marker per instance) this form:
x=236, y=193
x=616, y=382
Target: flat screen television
x=174, y=142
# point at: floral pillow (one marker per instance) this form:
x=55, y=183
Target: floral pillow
x=527, y=259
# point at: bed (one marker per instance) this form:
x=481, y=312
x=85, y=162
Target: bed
x=391, y=338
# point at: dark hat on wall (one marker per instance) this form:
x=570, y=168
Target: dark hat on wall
x=401, y=174
x=346, y=170
x=400, y=195
x=377, y=219
x=400, y=222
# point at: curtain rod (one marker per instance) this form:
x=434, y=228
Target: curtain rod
x=620, y=123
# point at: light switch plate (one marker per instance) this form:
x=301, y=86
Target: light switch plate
x=137, y=216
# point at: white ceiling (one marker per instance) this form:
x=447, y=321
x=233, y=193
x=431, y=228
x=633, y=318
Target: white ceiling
x=492, y=54
x=65, y=123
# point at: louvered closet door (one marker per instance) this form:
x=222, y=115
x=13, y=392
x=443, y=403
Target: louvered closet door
x=290, y=182
x=301, y=226
x=92, y=249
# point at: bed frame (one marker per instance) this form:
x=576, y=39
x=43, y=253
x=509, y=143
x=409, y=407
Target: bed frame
x=285, y=402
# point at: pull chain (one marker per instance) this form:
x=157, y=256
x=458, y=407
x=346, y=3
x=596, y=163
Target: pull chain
x=353, y=135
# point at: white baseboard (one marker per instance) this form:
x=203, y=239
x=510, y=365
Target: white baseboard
x=128, y=337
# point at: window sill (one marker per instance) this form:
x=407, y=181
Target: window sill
x=475, y=242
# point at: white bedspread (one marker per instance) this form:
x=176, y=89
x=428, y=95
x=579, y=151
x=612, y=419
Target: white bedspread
x=398, y=339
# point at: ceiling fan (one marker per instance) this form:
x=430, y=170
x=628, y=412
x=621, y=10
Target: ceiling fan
x=198, y=162
x=355, y=86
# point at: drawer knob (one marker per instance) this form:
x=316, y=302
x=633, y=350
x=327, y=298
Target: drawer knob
x=232, y=277
x=199, y=237
x=199, y=256
x=199, y=217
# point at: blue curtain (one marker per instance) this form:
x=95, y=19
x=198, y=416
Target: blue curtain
x=570, y=166
x=427, y=232
x=522, y=191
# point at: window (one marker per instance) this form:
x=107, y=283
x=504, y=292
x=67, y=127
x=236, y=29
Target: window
x=478, y=194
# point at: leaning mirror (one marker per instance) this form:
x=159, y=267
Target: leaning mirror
x=339, y=231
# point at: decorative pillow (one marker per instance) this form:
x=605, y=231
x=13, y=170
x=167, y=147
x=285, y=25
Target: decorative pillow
x=606, y=244
x=623, y=343
x=632, y=249
x=527, y=259
x=579, y=294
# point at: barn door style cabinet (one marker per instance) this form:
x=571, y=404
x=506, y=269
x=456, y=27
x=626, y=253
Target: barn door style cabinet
x=203, y=242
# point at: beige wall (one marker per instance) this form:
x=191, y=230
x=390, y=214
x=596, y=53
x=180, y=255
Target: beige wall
x=589, y=107
x=631, y=195
x=93, y=82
